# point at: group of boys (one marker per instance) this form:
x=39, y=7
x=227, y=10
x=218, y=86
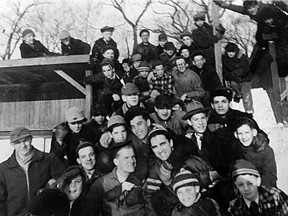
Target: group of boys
x=163, y=139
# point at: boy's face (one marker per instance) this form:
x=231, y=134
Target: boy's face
x=131, y=100
x=75, y=126
x=245, y=134
x=198, y=122
x=161, y=146
x=145, y=37
x=119, y=134
x=125, y=66
x=199, y=23
x=253, y=10
x=109, y=54
x=163, y=113
x=107, y=35
x=231, y=54
x=108, y=71
x=99, y=119
x=187, y=40
x=169, y=52
x=74, y=189
x=188, y=195
x=29, y=39
x=185, y=53
x=144, y=73
x=248, y=186
x=199, y=61
x=181, y=65
x=159, y=70
x=86, y=158
x=220, y=105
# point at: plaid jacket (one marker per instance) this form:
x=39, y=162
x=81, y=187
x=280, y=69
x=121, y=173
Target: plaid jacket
x=272, y=202
x=164, y=85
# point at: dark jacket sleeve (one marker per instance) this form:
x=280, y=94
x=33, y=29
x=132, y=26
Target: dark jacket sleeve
x=3, y=193
x=56, y=167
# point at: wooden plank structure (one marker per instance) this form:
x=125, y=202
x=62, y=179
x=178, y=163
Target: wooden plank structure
x=37, y=92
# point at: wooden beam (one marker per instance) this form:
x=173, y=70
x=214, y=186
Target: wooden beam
x=275, y=84
x=89, y=96
x=71, y=81
x=217, y=46
x=73, y=59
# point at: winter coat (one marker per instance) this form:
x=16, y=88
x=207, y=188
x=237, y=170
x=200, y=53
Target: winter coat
x=261, y=155
x=209, y=77
x=237, y=68
x=98, y=49
x=16, y=190
x=141, y=83
x=168, y=62
x=75, y=47
x=37, y=50
x=204, y=40
x=188, y=83
x=101, y=200
x=148, y=51
x=70, y=143
x=203, y=207
x=106, y=86
x=272, y=202
x=98, y=129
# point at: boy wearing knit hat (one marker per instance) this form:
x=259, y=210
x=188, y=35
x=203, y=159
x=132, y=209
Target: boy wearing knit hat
x=187, y=188
x=141, y=81
x=169, y=56
x=162, y=40
x=32, y=48
x=25, y=172
x=252, y=198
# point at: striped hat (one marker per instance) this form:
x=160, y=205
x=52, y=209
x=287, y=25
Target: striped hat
x=243, y=167
x=183, y=179
x=144, y=66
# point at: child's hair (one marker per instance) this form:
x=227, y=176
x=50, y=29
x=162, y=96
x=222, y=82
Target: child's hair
x=157, y=63
x=244, y=121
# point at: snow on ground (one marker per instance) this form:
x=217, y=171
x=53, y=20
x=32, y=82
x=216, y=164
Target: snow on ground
x=263, y=115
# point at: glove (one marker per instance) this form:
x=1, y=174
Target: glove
x=60, y=132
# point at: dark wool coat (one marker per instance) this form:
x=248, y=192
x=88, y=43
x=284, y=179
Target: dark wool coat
x=209, y=77
x=204, y=40
x=38, y=50
x=98, y=129
x=262, y=156
x=148, y=51
x=75, y=47
x=98, y=48
x=14, y=195
x=237, y=68
x=70, y=143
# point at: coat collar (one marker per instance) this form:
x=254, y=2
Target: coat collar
x=12, y=162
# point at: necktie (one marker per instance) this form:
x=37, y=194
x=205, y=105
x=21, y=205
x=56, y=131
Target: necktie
x=254, y=209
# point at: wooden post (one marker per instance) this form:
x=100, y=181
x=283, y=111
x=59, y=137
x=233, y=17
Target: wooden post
x=275, y=84
x=217, y=46
x=89, y=96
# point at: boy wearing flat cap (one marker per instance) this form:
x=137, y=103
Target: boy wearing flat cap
x=187, y=188
x=114, y=194
x=67, y=135
x=105, y=40
x=252, y=198
x=25, y=172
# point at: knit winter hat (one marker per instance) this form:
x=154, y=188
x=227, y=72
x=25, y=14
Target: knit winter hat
x=107, y=28
x=27, y=32
x=199, y=16
x=162, y=37
x=75, y=114
x=242, y=167
x=183, y=179
x=19, y=133
x=222, y=92
x=84, y=144
x=185, y=33
x=108, y=48
x=144, y=66
x=231, y=47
